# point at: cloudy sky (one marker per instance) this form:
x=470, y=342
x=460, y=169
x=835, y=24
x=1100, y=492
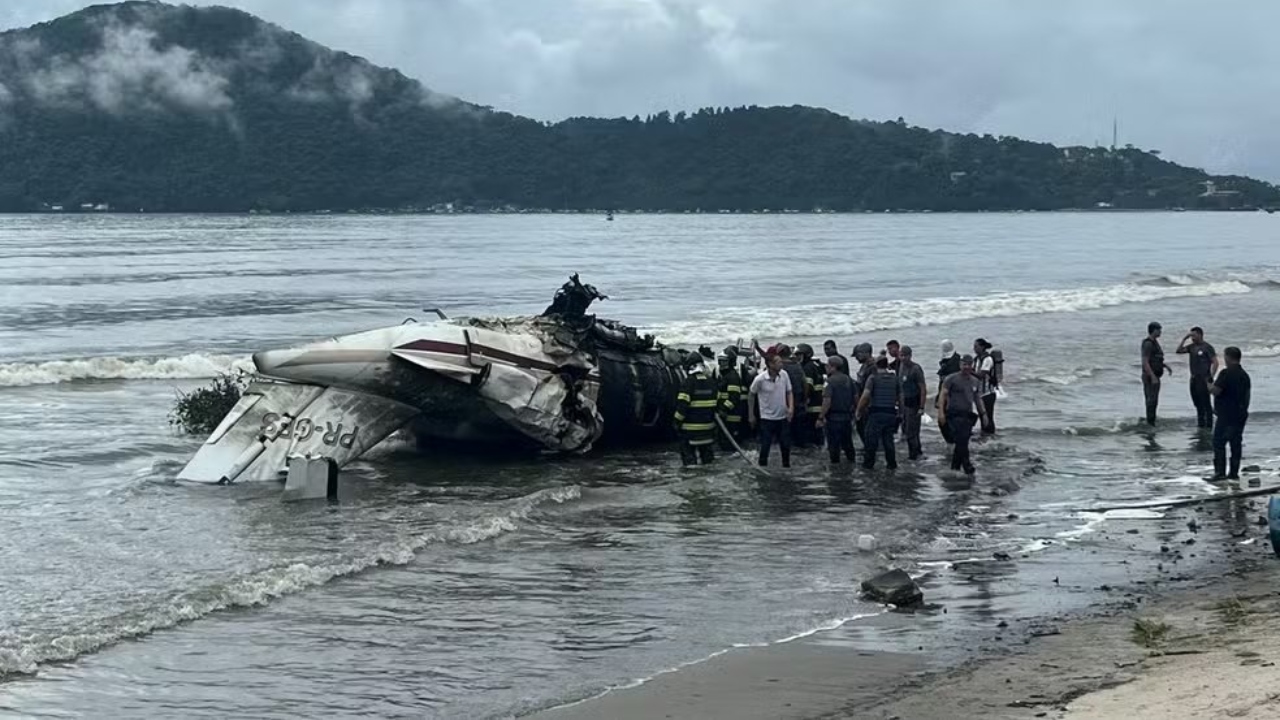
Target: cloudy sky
x=1197, y=80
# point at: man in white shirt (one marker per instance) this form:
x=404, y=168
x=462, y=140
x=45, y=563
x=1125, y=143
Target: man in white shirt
x=771, y=390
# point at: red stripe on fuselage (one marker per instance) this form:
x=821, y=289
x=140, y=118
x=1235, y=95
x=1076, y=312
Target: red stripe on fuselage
x=448, y=348
x=435, y=346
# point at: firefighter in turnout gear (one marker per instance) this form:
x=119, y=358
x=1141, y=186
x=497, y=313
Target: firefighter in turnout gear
x=695, y=416
x=732, y=398
x=815, y=380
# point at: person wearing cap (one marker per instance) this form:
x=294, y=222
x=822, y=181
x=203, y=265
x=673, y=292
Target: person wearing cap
x=695, y=415
x=878, y=406
x=949, y=365
x=1202, y=362
x=772, y=391
x=958, y=407
x=863, y=355
x=836, y=415
x=914, y=391
x=1153, y=367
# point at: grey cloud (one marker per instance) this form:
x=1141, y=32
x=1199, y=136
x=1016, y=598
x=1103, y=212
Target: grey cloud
x=1193, y=79
x=126, y=74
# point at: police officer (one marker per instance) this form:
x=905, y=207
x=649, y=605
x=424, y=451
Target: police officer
x=878, y=407
x=914, y=392
x=732, y=398
x=862, y=355
x=695, y=416
x=815, y=379
x=836, y=414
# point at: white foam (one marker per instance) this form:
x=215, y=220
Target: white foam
x=1062, y=377
x=194, y=365
x=945, y=564
x=1187, y=480
x=1093, y=520
x=1132, y=514
x=19, y=654
x=727, y=324
x=1036, y=545
x=832, y=625
x=1091, y=524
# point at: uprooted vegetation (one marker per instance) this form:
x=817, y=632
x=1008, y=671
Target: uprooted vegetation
x=1233, y=611
x=199, y=411
x=1149, y=633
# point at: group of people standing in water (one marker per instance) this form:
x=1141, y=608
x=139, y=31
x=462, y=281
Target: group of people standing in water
x=798, y=400
x=1215, y=391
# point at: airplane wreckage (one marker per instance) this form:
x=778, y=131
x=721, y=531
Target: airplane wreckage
x=563, y=381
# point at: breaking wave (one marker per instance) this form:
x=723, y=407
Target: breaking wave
x=1061, y=378
x=194, y=365
x=728, y=324
x=24, y=655
x=1259, y=278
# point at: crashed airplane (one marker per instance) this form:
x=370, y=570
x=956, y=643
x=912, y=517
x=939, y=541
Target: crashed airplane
x=562, y=381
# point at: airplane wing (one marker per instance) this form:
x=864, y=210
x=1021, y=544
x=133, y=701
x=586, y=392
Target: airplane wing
x=273, y=421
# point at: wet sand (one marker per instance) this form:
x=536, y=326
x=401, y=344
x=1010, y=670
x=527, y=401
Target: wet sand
x=1217, y=659
x=799, y=679
x=1212, y=651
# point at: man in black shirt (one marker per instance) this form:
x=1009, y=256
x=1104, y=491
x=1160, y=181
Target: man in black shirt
x=1202, y=362
x=1153, y=366
x=1231, y=393
x=830, y=350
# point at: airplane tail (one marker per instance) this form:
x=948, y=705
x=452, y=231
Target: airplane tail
x=274, y=421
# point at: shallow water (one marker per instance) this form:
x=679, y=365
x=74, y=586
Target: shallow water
x=464, y=587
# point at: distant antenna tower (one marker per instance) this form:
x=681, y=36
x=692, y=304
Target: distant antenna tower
x=1115, y=127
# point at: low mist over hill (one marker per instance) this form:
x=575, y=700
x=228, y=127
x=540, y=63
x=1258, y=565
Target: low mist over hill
x=175, y=108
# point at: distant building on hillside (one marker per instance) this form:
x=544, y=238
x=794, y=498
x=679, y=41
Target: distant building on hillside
x=1215, y=199
x=1211, y=191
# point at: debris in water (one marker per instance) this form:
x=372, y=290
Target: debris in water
x=894, y=587
x=200, y=411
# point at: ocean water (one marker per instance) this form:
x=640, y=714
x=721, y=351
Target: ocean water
x=446, y=586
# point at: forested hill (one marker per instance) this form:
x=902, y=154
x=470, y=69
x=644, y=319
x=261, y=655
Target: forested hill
x=170, y=108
